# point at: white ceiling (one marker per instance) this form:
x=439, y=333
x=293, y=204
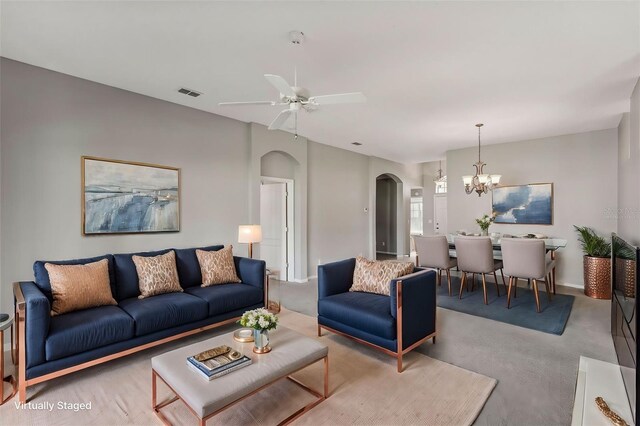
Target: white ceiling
x=430, y=70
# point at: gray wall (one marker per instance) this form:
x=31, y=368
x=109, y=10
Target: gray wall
x=629, y=171
x=429, y=173
x=338, y=197
x=277, y=164
x=580, y=166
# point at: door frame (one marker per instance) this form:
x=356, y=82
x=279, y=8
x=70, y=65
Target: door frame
x=289, y=237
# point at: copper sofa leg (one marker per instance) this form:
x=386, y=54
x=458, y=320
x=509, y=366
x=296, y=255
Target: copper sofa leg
x=319, y=331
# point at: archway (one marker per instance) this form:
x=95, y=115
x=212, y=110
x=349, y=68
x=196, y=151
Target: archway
x=389, y=234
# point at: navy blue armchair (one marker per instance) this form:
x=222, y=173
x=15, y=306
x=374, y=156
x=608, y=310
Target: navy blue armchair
x=394, y=324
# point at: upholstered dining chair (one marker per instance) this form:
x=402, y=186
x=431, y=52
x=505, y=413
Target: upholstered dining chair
x=526, y=259
x=475, y=255
x=433, y=252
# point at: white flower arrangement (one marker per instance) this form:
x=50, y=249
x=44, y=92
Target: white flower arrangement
x=259, y=319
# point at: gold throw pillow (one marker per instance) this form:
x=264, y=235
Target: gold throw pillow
x=217, y=267
x=76, y=287
x=374, y=276
x=157, y=274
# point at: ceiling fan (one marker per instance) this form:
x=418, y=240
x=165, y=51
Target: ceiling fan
x=296, y=99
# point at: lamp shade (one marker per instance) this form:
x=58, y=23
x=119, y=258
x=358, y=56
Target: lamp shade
x=467, y=179
x=495, y=179
x=249, y=234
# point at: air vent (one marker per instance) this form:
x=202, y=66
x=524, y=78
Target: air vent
x=356, y=143
x=189, y=92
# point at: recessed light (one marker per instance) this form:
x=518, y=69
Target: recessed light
x=189, y=92
x=356, y=143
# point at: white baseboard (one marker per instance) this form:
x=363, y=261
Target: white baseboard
x=304, y=280
x=579, y=286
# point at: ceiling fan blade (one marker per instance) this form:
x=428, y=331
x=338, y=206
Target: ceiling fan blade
x=247, y=103
x=280, y=119
x=341, y=98
x=280, y=84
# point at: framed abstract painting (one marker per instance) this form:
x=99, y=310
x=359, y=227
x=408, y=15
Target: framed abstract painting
x=523, y=204
x=123, y=197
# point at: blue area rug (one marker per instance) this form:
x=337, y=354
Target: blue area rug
x=552, y=318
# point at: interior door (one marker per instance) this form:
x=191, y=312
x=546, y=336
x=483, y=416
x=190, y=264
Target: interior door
x=440, y=214
x=273, y=219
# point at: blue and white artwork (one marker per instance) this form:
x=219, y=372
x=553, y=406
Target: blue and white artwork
x=123, y=197
x=524, y=204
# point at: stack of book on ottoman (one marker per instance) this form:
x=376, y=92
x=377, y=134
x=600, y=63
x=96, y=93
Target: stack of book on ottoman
x=217, y=362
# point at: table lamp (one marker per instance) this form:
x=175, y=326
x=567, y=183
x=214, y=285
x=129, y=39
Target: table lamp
x=249, y=234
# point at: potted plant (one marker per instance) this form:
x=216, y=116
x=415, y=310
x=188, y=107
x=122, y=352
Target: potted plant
x=597, y=263
x=485, y=222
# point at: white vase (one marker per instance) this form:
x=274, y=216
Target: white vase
x=261, y=341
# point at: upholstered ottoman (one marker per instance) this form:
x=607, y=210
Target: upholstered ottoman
x=290, y=352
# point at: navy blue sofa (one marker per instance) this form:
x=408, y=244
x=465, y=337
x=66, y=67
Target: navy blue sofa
x=394, y=324
x=50, y=347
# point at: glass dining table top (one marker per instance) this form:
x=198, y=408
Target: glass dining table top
x=550, y=243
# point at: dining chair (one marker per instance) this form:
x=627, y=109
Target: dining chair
x=475, y=255
x=526, y=259
x=433, y=252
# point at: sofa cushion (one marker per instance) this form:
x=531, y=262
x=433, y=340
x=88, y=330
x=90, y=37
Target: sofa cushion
x=217, y=267
x=164, y=311
x=224, y=298
x=188, y=266
x=365, y=311
x=76, y=287
x=157, y=274
x=126, y=275
x=42, y=276
x=80, y=331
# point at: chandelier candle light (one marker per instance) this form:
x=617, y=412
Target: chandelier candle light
x=480, y=182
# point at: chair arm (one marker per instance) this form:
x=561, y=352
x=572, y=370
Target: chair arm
x=418, y=302
x=251, y=271
x=34, y=306
x=335, y=277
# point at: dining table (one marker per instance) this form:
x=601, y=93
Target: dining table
x=552, y=245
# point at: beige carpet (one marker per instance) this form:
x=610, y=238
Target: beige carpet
x=364, y=389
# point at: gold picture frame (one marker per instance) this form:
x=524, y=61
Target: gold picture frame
x=128, y=197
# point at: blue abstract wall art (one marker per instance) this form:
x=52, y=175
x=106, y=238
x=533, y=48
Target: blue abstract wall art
x=127, y=197
x=524, y=204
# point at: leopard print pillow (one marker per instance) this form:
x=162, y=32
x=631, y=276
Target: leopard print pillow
x=76, y=287
x=157, y=274
x=374, y=276
x=217, y=267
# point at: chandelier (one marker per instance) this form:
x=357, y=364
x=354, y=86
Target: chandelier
x=480, y=182
x=440, y=181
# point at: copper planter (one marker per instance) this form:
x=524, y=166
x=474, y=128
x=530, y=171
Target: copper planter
x=597, y=277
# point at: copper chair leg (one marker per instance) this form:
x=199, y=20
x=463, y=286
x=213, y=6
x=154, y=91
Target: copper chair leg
x=503, y=282
x=462, y=283
x=449, y=280
x=509, y=293
x=535, y=292
x=484, y=289
x=473, y=282
x=495, y=278
x=515, y=287
x=548, y=286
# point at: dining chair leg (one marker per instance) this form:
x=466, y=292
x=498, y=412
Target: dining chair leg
x=449, y=280
x=535, y=292
x=547, y=286
x=484, y=290
x=439, y=279
x=529, y=282
x=509, y=293
x=503, y=281
x=473, y=282
x=462, y=283
x=515, y=288
x=553, y=279
x=495, y=278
